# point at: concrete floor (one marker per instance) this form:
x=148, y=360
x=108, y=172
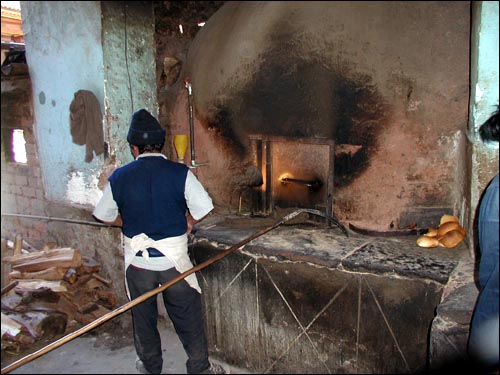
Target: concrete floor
x=103, y=354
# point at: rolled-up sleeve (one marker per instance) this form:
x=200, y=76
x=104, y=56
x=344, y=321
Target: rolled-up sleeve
x=106, y=209
x=198, y=201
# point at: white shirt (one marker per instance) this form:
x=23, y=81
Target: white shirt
x=175, y=249
x=198, y=201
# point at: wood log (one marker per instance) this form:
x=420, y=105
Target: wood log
x=26, y=246
x=9, y=287
x=13, y=302
x=94, y=284
x=18, y=244
x=88, y=267
x=5, y=268
x=90, y=282
x=66, y=259
x=82, y=298
x=106, y=282
x=42, y=323
x=10, y=326
x=71, y=305
x=66, y=306
x=71, y=275
x=88, y=308
x=40, y=294
x=29, y=247
x=80, y=283
x=44, y=254
x=28, y=285
x=14, y=335
x=16, y=344
x=51, y=273
x=106, y=298
x=31, y=300
x=42, y=264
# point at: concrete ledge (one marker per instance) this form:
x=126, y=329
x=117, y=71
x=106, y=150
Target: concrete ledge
x=450, y=328
x=307, y=299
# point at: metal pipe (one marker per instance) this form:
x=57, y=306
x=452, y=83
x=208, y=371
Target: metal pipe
x=187, y=85
x=332, y=218
x=313, y=184
x=51, y=218
x=189, y=88
x=145, y=296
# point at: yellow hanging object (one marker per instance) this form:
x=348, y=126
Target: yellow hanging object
x=180, y=144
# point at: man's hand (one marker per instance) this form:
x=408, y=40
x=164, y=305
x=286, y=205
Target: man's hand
x=190, y=223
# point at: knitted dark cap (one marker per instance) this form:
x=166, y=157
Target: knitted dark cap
x=145, y=129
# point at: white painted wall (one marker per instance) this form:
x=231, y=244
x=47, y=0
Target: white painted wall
x=64, y=54
x=484, y=85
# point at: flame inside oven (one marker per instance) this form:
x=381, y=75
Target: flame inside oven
x=296, y=172
x=311, y=184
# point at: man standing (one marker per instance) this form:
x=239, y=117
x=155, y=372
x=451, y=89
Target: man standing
x=156, y=202
x=483, y=337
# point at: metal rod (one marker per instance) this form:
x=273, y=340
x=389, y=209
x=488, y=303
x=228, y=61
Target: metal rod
x=313, y=183
x=191, y=126
x=331, y=217
x=145, y=296
x=52, y=218
x=189, y=89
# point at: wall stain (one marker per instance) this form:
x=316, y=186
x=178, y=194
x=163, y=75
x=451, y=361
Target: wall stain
x=293, y=97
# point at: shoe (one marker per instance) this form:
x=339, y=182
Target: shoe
x=140, y=367
x=214, y=369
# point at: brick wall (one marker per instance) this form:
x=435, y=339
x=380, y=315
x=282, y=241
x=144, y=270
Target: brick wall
x=22, y=187
x=23, y=192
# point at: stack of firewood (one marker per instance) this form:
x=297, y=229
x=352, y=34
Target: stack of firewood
x=50, y=292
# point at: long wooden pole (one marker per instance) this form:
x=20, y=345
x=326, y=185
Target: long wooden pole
x=144, y=297
x=52, y=218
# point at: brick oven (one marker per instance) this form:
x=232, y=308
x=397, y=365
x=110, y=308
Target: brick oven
x=396, y=120
x=303, y=105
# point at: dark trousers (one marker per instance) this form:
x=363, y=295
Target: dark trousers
x=482, y=347
x=183, y=305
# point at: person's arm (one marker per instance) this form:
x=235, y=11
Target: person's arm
x=106, y=210
x=116, y=223
x=191, y=222
x=198, y=201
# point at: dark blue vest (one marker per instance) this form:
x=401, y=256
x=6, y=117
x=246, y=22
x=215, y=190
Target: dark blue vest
x=149, y=193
